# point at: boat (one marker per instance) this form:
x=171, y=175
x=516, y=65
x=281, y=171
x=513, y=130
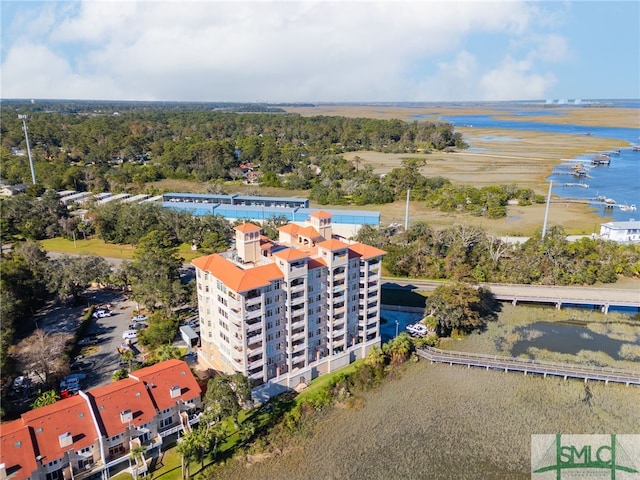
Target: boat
x=609, y=202
x=627, y=208
x=601, y=160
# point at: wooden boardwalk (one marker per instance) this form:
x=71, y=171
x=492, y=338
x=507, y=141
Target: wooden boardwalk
x=535, y=367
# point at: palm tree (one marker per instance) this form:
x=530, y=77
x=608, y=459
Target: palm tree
x=188, y=446
x=135, y=454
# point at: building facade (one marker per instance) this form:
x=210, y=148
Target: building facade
x=623, y=232
x=89, y=435
x=285, y=312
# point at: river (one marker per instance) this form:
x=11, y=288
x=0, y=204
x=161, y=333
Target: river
x=620, y=180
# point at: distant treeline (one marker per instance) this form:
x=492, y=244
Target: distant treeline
x=100, y=148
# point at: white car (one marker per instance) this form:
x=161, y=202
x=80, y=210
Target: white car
x=101, y=314
x=139, y=318
x=129, y=334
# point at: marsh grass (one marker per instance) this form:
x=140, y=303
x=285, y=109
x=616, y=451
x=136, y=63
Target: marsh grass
x=437, y=421
x=452, y=422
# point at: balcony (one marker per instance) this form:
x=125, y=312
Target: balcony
x=296, y=320
x=254, y=328
x=339, y=310
x=374, y=278
x=338, y=276
x=252, y=302
x=297, y=366
x=255, y=364
x=297, y=335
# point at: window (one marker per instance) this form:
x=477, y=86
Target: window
x=165, y=422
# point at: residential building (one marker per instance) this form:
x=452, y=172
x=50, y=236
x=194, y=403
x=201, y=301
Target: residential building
x=623, y=232
x=91, y=434
x=284, y=312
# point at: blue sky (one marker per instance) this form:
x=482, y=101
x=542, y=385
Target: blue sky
x=308, y=51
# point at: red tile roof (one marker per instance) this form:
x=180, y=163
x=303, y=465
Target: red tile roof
x=70, y=415
x=332, y=245
x=366, y=251
x=160, y=378
x=127, y=394
x=236, y=278
x=17, y=449
x=290, y=228
x=321, y=214
x=290, y=254
x=309, y=232
x=316, y=263
x=247, y=227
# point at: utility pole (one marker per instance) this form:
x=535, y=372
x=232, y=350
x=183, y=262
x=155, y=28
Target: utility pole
x=546, y=210
x=406, y=212
x=26, y=137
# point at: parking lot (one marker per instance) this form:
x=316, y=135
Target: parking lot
x=103, y=359
x=99, y=359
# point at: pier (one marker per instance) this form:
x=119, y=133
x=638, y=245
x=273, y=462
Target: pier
x=526, y=366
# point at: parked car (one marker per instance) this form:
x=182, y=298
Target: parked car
x=129, y=334
x=417, y=330
x=139, y=318
x=70, y=384
x=100, y=313
x=137, y=326
x=78, y=366
x=89, y=341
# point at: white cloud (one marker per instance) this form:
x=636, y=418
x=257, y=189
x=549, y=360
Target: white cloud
x=278, y=51
x=514, y=80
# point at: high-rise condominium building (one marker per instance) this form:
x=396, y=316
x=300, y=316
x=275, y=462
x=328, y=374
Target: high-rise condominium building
x=285, y=312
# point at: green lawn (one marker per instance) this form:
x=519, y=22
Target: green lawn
x=92, y=246
x=95, y=246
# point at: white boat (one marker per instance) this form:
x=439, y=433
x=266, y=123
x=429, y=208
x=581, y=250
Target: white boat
x=627, y=208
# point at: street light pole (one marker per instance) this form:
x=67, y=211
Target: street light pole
x=546, y=210
x=396, y=328
x=26, y=137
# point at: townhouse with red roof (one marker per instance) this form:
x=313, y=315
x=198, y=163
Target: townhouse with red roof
x=282, y=313
x=90, y=434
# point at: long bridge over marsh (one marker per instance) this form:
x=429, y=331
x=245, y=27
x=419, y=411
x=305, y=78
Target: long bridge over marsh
x=526, y=366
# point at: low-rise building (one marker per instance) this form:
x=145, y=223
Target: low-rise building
x=623, y=232
x=91, y=434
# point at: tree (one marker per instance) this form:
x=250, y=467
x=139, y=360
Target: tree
x=155, y=272
x=48, y=397
x=71, y=276
x=460, y=307
x=42, y=353
x=188, y=446
x=399, y=348
x=135, y=455
x=167, y=352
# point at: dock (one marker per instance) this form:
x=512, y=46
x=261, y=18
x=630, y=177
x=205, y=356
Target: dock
x=527, y=366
